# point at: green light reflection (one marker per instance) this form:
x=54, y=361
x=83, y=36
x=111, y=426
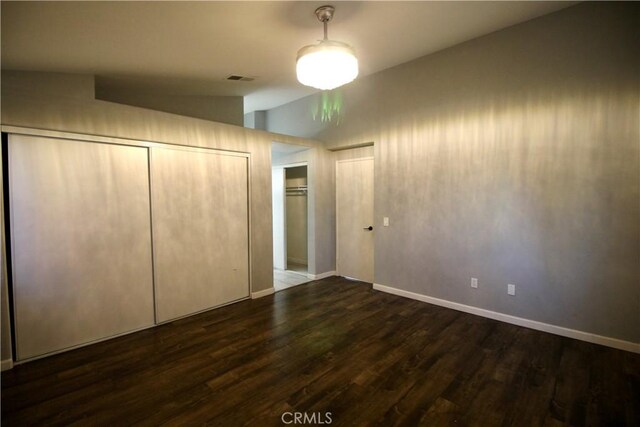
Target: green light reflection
x=329, y=107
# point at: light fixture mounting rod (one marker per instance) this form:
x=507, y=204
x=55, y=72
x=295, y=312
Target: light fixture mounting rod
x=325, y=14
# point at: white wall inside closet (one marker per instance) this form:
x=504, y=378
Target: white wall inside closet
x=296, y=206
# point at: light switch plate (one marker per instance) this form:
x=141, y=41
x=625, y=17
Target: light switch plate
x=385, y=221
x=511, y=289
x=474, y=282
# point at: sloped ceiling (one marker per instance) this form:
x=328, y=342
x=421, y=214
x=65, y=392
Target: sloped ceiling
x=190, y=48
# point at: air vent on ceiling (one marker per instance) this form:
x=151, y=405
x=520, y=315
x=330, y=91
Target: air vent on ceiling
x=240, y=78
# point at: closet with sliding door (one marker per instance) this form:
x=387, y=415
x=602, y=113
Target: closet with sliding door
x=109, y=236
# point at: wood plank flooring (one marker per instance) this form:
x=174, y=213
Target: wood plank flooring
x=335, y=346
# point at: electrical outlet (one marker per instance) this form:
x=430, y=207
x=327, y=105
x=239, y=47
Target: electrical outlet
x=511, y=289
x=385, y=221
x=474, y=282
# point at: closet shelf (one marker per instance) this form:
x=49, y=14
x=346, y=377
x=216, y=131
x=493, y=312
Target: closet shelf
x=300, y=190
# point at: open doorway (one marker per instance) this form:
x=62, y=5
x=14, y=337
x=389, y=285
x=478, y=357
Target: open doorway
x=290, y=190
x=296, y=218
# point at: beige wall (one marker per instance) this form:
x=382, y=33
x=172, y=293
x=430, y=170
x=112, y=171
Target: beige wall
x=354, y=153
x=65, y=103
x=513, y=158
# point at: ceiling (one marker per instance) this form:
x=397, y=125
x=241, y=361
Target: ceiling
x=190, y=48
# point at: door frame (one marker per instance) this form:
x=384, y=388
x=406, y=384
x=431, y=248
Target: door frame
x=358, y=159
x=284, y=209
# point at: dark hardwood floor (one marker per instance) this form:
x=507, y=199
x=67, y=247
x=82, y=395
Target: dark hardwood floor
x=329, y=346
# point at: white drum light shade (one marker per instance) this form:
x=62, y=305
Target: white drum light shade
x=327, y=65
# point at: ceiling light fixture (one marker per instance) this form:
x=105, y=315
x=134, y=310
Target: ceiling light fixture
x=328, y=64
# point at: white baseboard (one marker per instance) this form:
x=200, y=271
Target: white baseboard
x=263, y=293
x=321, y=275
x=6, y=365
x=532, y=324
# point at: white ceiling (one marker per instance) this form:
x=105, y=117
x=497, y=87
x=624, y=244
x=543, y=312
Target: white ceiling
x=189, y=48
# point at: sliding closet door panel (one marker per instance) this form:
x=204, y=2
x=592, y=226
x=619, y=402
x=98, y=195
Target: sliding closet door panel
x=200, y=230
x=81, y=236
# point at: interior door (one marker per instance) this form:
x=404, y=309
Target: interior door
x=81, y=242
x=200, y=229
x=354, y=218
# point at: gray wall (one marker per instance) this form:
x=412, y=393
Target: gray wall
x=513, y=158
x=65, y=103
x=301, y=118
x=256, y=120
x=223, y=109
